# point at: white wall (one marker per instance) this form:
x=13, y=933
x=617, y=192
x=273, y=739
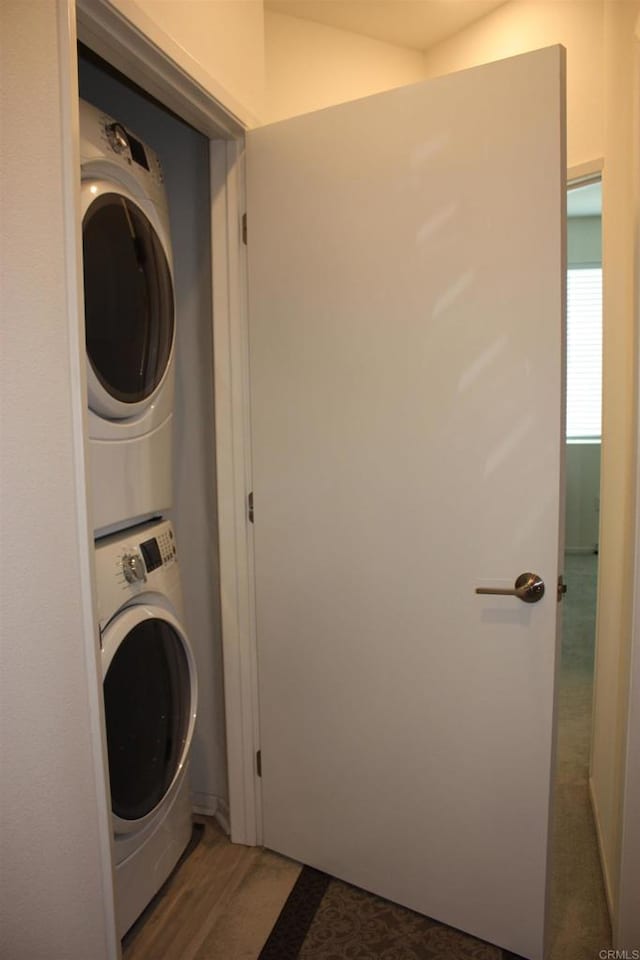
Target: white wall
x=310, y=66
x=185, y=158
x=584, y=241
x=220, y=42
x=522, y=25
x=582, y=513
x=55, y=876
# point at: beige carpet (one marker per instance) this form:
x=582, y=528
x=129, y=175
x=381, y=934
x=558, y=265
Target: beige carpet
x=348, y=917
x=327, y=919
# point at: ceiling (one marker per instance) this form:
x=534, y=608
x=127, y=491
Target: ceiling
x=417, y=24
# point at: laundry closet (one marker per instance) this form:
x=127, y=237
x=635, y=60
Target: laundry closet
x=183, y=155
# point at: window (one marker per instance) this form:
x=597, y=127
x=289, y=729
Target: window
x=584, y=353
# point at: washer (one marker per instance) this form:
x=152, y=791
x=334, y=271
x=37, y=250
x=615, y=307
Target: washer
x=129, y=323
x=150, y=701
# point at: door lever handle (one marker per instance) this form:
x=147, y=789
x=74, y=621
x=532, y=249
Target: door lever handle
x=529, y=588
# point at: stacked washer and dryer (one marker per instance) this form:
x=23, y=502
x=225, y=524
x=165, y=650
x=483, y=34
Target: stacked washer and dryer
x=149, y=677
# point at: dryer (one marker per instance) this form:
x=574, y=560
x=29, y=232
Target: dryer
x=129, y=323
x=150, y=701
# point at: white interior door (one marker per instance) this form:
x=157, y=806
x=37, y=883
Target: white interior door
x=406, y=261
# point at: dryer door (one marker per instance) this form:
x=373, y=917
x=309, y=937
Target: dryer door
x=128, y=294
x=150, y=697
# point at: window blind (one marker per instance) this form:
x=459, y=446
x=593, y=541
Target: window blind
x=584, y=353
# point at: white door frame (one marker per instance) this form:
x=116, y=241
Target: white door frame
x=233, y=467
x=627, y=923
x=136, y=46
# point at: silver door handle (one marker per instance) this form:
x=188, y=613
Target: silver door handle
x=529, y=588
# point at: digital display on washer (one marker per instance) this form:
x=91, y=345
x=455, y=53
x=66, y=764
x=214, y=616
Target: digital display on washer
x=151, y=553
x=137, y=151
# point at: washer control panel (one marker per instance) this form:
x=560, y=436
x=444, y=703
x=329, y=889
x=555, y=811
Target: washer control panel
x=129, y=148
x=134, y=563
x=117, y=137
x=134, y=559
x=104, y=137
x=133, y=568
x=166, y=545
x=154, y=552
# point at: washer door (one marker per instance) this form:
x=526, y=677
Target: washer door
x=128, y=299
x=150, y=696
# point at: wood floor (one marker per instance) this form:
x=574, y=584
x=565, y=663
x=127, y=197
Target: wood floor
x=219, y=904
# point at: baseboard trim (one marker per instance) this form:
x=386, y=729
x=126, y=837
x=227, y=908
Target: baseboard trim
x=603, y=861
x=222, y=816
x=208, y=805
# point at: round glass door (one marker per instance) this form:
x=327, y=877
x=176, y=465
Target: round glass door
x=128, y=294
x=148, y=709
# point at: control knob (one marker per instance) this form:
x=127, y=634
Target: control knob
x=133, y=568
x=117, y=137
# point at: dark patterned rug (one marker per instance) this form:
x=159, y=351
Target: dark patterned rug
x=326, y=919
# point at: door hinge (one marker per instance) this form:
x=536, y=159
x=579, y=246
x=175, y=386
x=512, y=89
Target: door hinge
x=562, y=588
x=250, y=507
x=244, y=229
x=259, y=763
